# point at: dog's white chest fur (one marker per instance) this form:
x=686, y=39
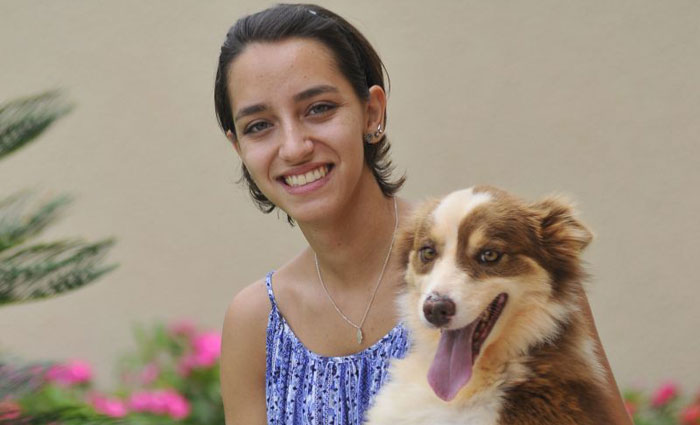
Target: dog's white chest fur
x=412, y=404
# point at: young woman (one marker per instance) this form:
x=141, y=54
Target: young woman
x=300, y=94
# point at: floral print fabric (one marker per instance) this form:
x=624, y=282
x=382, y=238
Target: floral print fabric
x=304, y=388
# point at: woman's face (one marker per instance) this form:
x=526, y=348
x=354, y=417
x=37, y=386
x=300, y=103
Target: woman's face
x=299, y=126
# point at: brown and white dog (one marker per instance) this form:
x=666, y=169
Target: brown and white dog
x=493, y=303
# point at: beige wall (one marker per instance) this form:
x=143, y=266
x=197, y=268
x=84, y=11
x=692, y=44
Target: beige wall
x=598, y=99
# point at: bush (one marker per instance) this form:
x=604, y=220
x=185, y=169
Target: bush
x=171, y=378
x=664, y=406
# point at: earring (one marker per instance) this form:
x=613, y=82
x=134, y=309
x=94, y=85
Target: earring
x=368, y=138
x=379, y=131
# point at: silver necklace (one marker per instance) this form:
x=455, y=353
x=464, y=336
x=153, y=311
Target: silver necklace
x=360, y=336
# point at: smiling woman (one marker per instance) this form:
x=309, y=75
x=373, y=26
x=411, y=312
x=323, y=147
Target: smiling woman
x=300, y=95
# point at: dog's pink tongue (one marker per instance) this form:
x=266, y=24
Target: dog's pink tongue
x=452, y=365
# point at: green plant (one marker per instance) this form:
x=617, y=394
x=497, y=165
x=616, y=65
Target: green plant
x=664, y=406
x=38, y=270
x=29, y=272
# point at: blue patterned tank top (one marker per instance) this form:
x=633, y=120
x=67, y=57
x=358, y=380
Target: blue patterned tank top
x=304, y=388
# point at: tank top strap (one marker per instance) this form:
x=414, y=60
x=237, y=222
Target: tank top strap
x=270, y=294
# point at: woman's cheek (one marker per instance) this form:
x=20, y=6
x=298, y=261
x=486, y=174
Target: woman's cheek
x=259, y=162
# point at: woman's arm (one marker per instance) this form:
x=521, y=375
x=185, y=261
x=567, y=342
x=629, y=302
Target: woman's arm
x=243, y=357
x=614, y=404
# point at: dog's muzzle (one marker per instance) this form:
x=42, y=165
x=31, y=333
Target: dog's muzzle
x=438, y=309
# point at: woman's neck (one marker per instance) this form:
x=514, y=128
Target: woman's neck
x=352, y=244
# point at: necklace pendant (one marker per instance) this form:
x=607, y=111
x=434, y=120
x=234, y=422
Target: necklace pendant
x=359, y=336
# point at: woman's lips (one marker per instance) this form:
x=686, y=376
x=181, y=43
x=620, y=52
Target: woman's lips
x=301, y=179
x=307, y=180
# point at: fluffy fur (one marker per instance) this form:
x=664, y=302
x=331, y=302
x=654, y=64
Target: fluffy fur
x=538, y=365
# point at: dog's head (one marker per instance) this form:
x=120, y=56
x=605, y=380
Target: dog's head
x=485, y=270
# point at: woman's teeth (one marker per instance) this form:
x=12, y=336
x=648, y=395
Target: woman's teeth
x=310, y=177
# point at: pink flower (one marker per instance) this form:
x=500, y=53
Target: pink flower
x=207, y=349
x=140, y=401
x=149, y=373
x=112, y=407
x=70, y=373
x=185, y=365
x=160, y=402
x=9, y=409
x=691, y=415
x=182, y=328
x=178, y=407
x=664, y=394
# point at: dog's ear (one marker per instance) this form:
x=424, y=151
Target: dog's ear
x=404, y=242
x=560, y=230
x=408, y=230
x=562, y=237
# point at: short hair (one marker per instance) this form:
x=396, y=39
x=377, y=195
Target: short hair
x=356, y=59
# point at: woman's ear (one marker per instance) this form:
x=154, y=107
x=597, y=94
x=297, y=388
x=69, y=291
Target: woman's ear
x=376, y=108
x=234, y=141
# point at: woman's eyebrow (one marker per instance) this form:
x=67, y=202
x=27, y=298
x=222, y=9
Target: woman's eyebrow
x=249, y=110
x=306, y=94
x=314, y=91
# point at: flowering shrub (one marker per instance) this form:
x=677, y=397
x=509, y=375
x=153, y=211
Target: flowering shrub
x=70, y=373
x=664, y=406
x=171, y=378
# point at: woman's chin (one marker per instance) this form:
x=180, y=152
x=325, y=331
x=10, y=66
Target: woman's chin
x=312, y=211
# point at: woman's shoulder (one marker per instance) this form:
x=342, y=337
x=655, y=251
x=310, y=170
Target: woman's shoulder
x=244, y=333
x=248, y=311
x=243, y=355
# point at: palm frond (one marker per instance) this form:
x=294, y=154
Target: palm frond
x=22, y=120
x=17, y=225
x=49, y=269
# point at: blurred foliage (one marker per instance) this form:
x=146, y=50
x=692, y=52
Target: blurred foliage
x=29, y=272
x=172, y=377
x=23, y=120
x=666, y=405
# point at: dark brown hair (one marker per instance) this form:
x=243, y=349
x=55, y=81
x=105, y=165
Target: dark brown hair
x=354, y=55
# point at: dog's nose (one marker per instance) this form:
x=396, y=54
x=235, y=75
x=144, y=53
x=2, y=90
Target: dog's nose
x=438, y=309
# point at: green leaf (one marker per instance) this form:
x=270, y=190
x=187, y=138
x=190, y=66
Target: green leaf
x=48, y=269
x=22, y=120
x=17, y=225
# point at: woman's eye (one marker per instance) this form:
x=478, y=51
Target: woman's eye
x=256, y=127
x=489, y=256
x=427, y=254
x=320, y=108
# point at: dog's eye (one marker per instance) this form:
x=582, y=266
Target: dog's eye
x=427, y=254
x=489, y=256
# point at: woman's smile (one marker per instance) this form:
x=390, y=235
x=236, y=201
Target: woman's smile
x=306, y=178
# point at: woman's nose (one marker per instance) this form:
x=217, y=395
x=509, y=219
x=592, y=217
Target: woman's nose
x=295, y=146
